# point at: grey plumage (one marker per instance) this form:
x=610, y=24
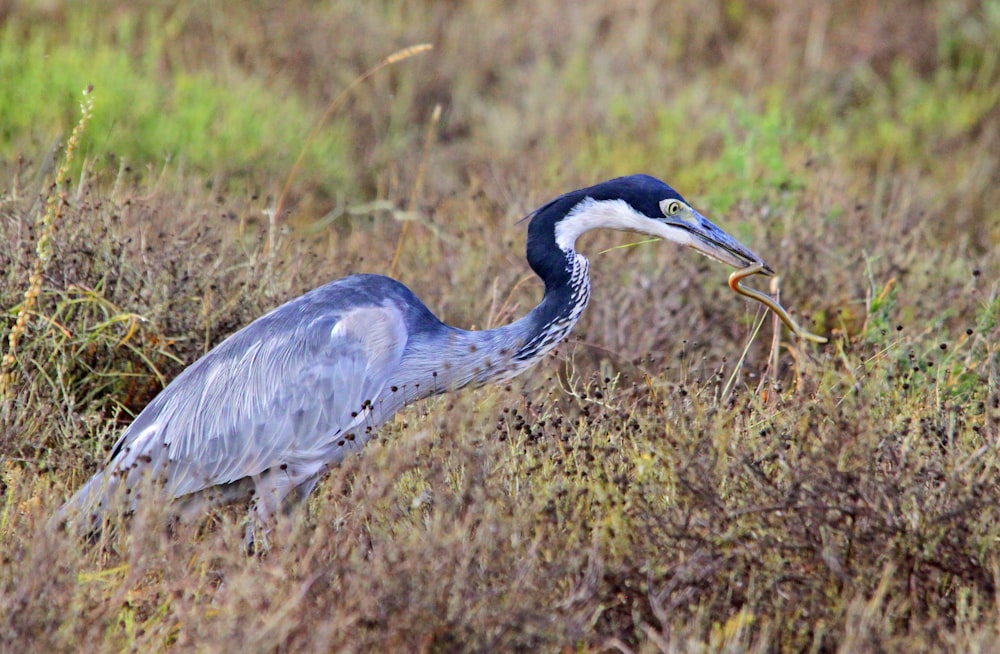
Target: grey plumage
x=292, y=393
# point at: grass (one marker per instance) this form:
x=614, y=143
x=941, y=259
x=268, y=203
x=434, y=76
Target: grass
x=618, y=497
x=153, y=110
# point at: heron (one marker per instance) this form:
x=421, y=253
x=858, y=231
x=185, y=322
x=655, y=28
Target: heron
x=272, y=408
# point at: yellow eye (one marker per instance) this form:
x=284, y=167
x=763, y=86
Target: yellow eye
x=670, y=207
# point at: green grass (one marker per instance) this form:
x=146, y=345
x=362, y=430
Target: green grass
x=617, y=497
x=154, y=111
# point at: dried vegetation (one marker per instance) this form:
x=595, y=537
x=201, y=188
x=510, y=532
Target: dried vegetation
x=648, y=488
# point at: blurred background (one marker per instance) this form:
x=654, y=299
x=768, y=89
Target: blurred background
x=860, y=136
x=239, y=153
x=732, y=101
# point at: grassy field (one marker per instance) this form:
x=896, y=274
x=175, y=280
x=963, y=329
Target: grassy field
x=656, y=485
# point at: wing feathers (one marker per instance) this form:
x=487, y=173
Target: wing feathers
x=270, y=394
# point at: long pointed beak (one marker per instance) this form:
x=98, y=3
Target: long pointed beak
x=717, y=244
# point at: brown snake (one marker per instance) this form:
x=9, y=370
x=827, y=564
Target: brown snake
x=735, y=283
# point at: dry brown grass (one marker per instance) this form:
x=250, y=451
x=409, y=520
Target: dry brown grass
x=613, y=498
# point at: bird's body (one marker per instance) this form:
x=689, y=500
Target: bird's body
x=292, y=393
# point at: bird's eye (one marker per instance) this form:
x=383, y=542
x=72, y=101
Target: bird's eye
x=670, y=207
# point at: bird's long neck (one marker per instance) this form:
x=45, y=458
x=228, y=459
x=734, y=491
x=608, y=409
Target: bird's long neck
x=478, y=357
x=566, y=297
x=459, y=357
x=506, y=351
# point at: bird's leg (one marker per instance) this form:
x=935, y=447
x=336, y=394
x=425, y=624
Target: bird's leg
x=276, y=493
x=270, y=489
x=255, y=538
x=302, y=492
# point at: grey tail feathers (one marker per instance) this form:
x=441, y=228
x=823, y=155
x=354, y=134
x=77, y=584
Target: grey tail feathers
x=84, y=512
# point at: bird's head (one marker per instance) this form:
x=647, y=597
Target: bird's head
x=644, y=204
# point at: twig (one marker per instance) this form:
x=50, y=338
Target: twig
x=417, y=183
x=395, y=57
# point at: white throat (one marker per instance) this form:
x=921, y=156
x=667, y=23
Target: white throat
x=612, y=214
